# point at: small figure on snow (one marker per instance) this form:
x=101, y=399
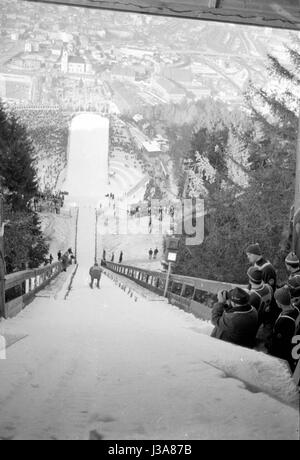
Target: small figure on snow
x=95, y=274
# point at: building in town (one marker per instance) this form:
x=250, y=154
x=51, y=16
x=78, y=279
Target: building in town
x=74, y=64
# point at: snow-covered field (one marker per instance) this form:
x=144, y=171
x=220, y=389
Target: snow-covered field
x=130, y=370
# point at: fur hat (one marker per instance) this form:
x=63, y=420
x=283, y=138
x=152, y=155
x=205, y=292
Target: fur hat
x=254, y=249
x=239, y=296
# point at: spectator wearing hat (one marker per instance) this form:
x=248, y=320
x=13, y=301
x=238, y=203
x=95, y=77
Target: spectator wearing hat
x=292, y=264
x=261, y=297
x=261, y=294
x=256, y=259
x=294, y=287
x=235, y=320
x=285, y=327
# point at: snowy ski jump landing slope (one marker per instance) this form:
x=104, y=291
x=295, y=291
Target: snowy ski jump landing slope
x=101, y=362
x=87, y=177
x=87, y=171
x=129, y=370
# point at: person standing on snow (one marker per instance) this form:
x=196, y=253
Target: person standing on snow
x=95, y=274
x=65, y=261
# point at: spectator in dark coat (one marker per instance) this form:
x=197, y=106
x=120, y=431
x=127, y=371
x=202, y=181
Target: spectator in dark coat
x=292, y=264
x=256, y=259
x=235, y=320
x=285, y=327
x=121, y=257
x=261, y=297
x=65, y=261
x=59, y=256
x=294, y=287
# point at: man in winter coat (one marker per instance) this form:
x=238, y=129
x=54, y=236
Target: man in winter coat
x=292, y=264
x=261, y=297
x=95, y=274
x=235, y=320
x=294, y=287
x=256, y=259
x=285, y=327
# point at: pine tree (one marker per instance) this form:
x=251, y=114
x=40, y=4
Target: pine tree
x=17, y=164
x=259, y=211
x=24, y=241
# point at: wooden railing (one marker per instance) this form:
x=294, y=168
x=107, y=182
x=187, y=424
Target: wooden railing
x=21, y=287
x=193, y=295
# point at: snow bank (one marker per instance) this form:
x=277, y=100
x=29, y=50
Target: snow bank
x=259, y=371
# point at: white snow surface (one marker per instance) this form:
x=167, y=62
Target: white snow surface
x=130, y=370
x=102, y=362
x=87, y=171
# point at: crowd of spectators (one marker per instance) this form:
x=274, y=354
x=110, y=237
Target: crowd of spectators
x=48, y=128
x=47, y=202
x=264, y=316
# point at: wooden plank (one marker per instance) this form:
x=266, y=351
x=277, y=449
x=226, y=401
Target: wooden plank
x=13, y=308
x=280, y=14
x=212, y=287
x=15, y=279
